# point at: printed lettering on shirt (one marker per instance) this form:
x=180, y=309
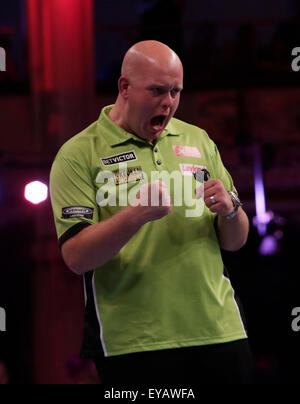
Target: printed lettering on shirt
x=72, y=212
x=187, y=151
x=119, y=158
x=190, y=169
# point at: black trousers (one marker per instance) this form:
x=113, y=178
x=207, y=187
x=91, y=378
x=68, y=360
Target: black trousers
x=226, y=363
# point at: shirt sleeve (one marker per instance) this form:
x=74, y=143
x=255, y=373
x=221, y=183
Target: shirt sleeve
x=73, y=197
x=220, y=172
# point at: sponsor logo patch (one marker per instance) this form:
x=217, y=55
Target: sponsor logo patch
x=77, y=212
x=119, y=158
x=126, y=175
x=187, y=151
x=190, y=169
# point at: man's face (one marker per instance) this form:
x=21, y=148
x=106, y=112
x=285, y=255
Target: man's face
x=153, y=99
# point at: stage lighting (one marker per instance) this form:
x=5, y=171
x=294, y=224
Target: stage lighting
x=266, y=222
x=262, y=217
x=268, y=245
x=36, y=192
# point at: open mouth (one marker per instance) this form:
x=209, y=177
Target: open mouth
x=157, y=122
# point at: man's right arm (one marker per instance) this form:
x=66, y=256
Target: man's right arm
x=97, y=244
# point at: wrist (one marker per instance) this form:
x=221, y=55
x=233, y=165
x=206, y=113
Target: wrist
x=135, y=217
x=236, y=203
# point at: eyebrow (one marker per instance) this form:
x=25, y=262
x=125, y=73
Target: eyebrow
x=163, y=86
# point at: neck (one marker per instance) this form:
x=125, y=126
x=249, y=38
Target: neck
x=115, y=113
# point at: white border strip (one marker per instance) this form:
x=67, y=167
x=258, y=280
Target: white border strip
x=236, y=304
x=98, y=316
x=97, y=311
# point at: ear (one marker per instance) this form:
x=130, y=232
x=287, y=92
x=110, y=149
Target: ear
x=123, y=85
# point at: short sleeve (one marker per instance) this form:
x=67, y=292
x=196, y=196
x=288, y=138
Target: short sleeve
x=73, y=197
x=220, y=172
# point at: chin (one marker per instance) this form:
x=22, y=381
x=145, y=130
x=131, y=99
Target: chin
x=155, y=137
x=150, y=137
x=158, y=133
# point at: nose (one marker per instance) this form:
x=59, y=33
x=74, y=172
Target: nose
x=167, y=100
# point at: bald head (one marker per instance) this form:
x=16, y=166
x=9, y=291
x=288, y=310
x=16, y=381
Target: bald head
x=149, y=89
x=149, y=54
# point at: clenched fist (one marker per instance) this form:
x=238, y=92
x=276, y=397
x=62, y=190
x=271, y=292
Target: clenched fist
x=216, y=197
x=153, y=201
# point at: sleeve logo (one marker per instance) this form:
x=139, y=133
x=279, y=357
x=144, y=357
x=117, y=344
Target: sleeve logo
x=72, y=212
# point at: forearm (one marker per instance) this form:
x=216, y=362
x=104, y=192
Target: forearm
x=233, y=233
x=99, y=243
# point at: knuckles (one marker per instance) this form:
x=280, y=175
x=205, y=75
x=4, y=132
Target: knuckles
x=216, y=184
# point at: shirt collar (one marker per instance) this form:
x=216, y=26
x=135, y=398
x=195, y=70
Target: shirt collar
x=116, y=135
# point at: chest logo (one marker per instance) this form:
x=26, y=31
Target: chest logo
x=187, y=151
x=126, y=175
x=190, y=169
x=119, y=158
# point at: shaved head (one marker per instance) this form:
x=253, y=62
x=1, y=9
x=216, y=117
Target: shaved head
x=149, y=89
x=149, y=54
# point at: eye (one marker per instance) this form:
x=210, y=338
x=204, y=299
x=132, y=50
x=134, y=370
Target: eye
x=156, y=90
x=174, y=92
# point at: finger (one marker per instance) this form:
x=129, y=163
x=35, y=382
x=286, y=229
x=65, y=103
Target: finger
x=210, y=190
x=209, y=184
x=215, y=185
x=210, y=193
x=165, y=199
x=211, y=200
x=215, y=198
x=216, y=208
x=199, y=191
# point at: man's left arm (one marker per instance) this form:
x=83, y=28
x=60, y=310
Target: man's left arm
x=232, y=232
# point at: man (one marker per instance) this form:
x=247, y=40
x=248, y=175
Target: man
x=158, y=302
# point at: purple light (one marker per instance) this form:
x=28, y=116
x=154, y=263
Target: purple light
x=36, y=192
x=268, y=246
x=262, y=217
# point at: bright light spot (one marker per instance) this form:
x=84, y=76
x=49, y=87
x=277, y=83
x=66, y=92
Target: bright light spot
x=36, y=192
x=268, y=246
x=260, y=200
x=263, y=218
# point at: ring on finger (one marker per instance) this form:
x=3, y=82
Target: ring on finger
x=213, y=200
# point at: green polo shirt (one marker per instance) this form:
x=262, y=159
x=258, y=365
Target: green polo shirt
x=166, y=288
